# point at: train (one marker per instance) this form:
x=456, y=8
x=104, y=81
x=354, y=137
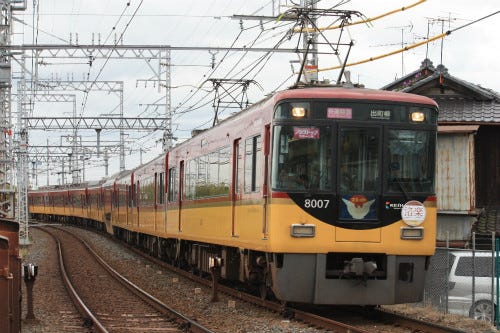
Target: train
x=316, y=194
x=10, y=277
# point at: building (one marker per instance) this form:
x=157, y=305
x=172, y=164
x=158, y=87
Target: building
x=468, y=152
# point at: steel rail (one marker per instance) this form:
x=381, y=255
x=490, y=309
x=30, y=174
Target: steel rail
x=180, y=319
x=83, y=309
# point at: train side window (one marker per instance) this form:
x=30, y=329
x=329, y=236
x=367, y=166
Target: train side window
x=253, y=165
x=145, y=192
x=224, y=170
x=160, y=191
x=172, y=185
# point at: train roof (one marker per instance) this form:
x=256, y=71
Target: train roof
x=320, y=91
x=351, y=93
x=337, y=92
x=111, y=179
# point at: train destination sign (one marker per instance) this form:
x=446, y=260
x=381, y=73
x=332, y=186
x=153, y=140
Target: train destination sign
x=306, y=133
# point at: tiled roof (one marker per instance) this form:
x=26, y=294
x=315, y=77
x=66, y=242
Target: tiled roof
x=469, y=103
x=462, y=110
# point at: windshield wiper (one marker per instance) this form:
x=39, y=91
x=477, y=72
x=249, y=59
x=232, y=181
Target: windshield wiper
x=400, y=183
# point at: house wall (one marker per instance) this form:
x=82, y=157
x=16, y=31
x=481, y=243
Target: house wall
x=455, y=186
x=488, y=166
x=455, y=179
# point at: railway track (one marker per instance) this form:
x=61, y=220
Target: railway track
x=335, y=319
x=106, y=299
x=385, y=321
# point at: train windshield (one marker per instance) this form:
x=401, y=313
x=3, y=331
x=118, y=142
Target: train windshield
x=410, y=168
x=303, y=157
x=350, y=159
x=359, y=159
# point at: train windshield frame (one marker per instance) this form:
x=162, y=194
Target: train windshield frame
x=353, y=147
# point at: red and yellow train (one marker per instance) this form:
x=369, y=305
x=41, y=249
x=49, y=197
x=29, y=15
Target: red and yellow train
x=322, y=195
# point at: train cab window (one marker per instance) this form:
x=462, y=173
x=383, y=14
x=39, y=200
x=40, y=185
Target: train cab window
x=253, y=164
x=359, y=159
x=302, y=158
x=410, y=167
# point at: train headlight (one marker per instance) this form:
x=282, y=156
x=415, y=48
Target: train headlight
x=417, y=116
x=303, y=230
x=412, y=233
x=298, y=112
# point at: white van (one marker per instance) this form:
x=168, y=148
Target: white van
x=470, y=272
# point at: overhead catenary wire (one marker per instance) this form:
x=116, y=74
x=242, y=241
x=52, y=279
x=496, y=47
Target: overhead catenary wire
x=85, y=98
x=212, y=71
x=406, y=48
x=197, y=105
x=36, y=13
x=261, y=60
x=368, y=20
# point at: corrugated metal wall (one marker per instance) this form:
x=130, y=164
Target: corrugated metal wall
x=455, y=185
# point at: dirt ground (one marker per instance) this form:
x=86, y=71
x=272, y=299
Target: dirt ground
x=456, y=321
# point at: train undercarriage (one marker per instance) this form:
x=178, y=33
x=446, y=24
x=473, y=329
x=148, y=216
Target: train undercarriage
x=314, y=278
x=229, y=263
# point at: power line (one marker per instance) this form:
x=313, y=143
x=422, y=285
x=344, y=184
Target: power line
x=428, y=40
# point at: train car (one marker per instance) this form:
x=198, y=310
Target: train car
x=321, y=195
x=10, y=277
x=51, y=203
x=95, y=202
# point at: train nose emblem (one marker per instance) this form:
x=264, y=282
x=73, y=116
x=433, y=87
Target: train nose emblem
x=358, y=206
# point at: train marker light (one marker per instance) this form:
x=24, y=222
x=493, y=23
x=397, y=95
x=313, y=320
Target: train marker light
x=298, y=112
x=412, y=233
x=417, y=116
x=303, y=230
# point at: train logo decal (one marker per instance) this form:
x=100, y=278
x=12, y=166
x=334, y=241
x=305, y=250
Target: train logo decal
x=392, y=205
x=358, y=206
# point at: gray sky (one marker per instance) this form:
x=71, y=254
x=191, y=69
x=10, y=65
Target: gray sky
x=470, y=53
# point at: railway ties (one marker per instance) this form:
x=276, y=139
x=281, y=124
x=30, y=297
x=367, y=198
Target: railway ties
x=107, y=300
x=154, y=276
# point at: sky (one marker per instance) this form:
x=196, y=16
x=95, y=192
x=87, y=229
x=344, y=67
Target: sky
x=470, y=53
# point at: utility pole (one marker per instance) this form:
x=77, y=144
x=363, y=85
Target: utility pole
x=310, y=40
x=7, y=191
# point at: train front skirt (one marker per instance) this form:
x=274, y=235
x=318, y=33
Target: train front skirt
x=305, y=278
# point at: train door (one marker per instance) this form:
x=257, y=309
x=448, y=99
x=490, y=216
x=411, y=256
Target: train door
x=181, y=194
x=265, y=189
x=159, y=201
x=136, y=203
x=166, y=191
x=236, y=188
x=359, y=158
x=156, y=200
x=172, y=199
x=129, y=207
x=88, y=207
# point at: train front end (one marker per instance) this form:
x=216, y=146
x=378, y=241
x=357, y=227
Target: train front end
x=352, y=208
